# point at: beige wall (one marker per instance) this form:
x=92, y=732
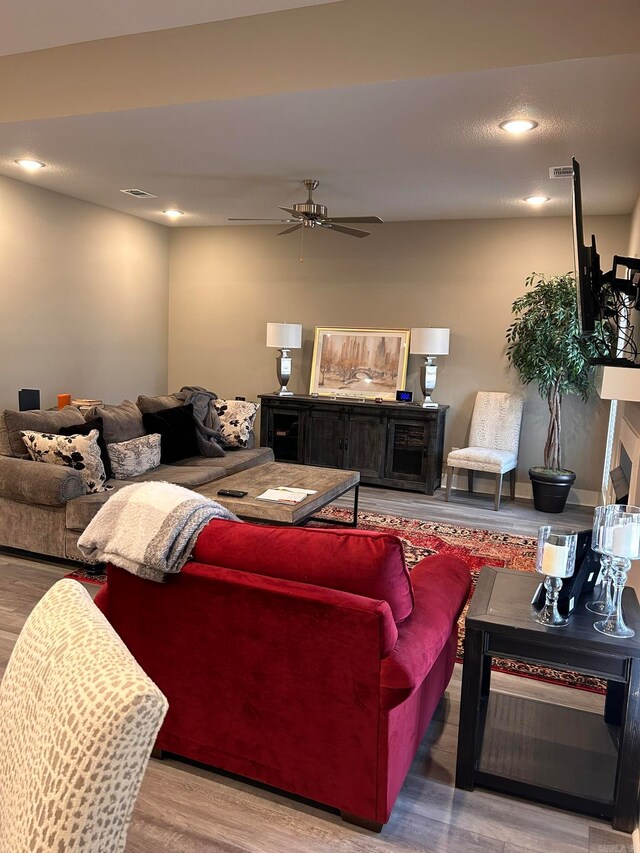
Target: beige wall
x=632, y=410
x=84, y=298
x=227, y=283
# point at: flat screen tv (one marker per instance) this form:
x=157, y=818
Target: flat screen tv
x=587, y=263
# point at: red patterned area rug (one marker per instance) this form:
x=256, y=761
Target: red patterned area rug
x=476, y=547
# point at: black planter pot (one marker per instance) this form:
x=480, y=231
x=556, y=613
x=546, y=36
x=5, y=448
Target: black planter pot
x=550, y=488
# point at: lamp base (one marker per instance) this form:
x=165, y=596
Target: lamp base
x=283, y=370
x=428, y=403
x=428, y=373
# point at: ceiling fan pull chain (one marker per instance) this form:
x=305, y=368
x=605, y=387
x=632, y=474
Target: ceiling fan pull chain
x=302, y=230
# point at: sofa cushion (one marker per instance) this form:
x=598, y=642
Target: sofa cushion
x=355, y=561
x=121, y=423
x=81, y=511
x=85, y=429
x=157, y=404
x=80, y=452
x=177, y=431
x=36, y=420
x=190, y=478
x=134, y=457
x=234, y=461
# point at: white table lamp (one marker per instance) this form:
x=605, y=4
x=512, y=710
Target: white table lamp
x=430, y=343
x=284, y=336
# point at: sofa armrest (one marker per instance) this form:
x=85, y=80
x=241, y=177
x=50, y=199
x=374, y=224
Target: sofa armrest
x=101, y=600
x=441, y=587
x=38, y=483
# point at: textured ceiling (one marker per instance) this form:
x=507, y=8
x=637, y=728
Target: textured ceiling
x=403, y=147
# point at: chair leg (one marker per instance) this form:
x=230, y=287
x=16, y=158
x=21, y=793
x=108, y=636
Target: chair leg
x=470, y=479
x=512, y=483
x=450, y=470
x=496, y=503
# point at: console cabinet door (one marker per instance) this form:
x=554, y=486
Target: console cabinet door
x=407, y=443
x=285, y=432
x=325, y=444
x=365, y=443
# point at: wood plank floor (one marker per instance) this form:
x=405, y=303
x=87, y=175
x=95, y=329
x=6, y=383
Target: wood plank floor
x=472, y=510
x=187, y=809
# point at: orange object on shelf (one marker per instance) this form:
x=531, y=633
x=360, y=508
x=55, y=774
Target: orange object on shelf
x=64, y=400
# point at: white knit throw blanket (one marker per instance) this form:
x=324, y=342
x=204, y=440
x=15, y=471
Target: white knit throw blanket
x=149, y=529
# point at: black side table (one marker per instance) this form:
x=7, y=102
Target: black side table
x=568, y=758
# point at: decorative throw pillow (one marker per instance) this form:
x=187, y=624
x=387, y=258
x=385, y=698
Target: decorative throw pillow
x=134, y=457
x=236, y=421
x=85, y=429
x=75, y=451
x=177, y=430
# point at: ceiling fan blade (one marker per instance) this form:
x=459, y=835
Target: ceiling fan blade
x=294, y=213
x=256, y=219
x=352, y=232
x=363, y=219
x=288, y=230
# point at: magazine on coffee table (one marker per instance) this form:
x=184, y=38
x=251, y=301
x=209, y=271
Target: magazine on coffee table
x=285, y=494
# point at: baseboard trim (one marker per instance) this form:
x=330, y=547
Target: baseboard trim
x=486, y=486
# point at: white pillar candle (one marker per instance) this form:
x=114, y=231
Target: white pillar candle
x=625, y=540
x=554, y=560
x=607, y=539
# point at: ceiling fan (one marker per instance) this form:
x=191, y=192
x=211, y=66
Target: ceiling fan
x=308, y=214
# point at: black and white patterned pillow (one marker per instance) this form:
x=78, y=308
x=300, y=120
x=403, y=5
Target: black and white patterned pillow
x=80, y=452
x=134, y=457
x=236, y=421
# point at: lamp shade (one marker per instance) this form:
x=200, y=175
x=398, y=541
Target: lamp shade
x=284, y=335
x=429, y=341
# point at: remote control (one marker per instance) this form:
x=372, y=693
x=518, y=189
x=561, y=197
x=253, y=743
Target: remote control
x=232, y=493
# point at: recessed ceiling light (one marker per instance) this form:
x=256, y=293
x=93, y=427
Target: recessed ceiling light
x=172, y=213
x=518, y=125
x=537, y=200
x=30, y=165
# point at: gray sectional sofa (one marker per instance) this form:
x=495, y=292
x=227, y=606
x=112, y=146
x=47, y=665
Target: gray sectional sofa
x=44, y=508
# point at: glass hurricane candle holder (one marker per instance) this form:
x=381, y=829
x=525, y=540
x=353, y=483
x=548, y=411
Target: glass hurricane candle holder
x=556, y=559
x=603, y=604
x=621, y=541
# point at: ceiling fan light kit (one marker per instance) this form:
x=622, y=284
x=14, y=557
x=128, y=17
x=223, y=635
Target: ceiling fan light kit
x=310, y=214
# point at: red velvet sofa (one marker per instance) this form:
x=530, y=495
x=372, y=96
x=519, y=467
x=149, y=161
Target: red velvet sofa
x=306, y=659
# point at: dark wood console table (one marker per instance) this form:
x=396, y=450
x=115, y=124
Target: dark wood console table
x=391, y=444
x=570, y=758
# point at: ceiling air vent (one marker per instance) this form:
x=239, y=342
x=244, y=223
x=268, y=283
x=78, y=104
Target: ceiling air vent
x=138, y=193
x=560, y=171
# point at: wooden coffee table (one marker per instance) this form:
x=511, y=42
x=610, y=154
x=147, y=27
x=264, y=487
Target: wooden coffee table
x=329, y=483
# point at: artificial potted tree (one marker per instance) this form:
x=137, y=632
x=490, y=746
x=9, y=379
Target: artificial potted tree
x=547, y=347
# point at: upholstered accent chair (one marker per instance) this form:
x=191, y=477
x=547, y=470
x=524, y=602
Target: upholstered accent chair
x=78, y=720
x=494, y=439
x=306, y=659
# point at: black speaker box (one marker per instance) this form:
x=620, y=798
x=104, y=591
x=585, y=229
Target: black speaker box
x=28, y=398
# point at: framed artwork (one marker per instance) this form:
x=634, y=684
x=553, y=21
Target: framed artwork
x=359, y=362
